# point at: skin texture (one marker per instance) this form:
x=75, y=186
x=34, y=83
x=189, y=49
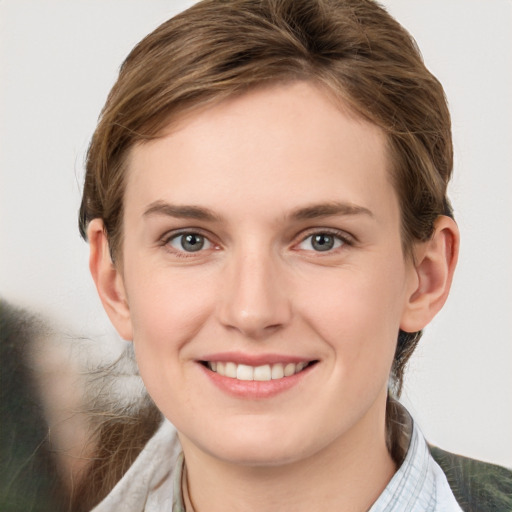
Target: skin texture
x=259, y=288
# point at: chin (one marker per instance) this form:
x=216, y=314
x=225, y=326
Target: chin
x=258, y=445
x=259, y=455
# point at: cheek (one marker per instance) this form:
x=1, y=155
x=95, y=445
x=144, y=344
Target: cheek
x=166, y=317
x=357, y=313
x=166, y=302
x=167, y=311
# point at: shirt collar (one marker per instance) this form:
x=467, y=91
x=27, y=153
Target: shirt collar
x=412, y=487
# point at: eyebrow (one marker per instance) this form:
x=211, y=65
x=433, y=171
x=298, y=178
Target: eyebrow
x=181, y=212
x=329, y=209
x=314, y=211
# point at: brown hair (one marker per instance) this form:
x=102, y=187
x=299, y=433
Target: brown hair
x=220, y=48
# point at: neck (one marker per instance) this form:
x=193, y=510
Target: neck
x=348, y=474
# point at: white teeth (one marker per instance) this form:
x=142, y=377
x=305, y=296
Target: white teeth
x=289, y=369
x=263, y=372
x=230, y=370
x=244, y=372
x=260, y=373
x=277, y=371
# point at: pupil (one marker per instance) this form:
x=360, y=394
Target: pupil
x=192, y=242
x=323, y=242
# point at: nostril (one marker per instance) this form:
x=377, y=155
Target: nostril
x=273, y=327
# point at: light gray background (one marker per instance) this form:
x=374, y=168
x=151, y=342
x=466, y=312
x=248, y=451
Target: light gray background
x=58, y=59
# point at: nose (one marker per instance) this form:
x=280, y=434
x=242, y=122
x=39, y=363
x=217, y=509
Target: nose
x=255, y=301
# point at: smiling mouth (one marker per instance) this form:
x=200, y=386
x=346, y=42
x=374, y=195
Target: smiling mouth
x=266, y=372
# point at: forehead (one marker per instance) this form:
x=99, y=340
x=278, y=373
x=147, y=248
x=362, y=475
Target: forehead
x=291, y=143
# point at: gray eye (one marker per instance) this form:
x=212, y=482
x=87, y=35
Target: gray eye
x=321, y=242
x=190, y=242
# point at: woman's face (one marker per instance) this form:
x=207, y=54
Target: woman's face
x=264, y=275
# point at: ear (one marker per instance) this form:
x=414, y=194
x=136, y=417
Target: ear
x=108, y=279
x=434, y=265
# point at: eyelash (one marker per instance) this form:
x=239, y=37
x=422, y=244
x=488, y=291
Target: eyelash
x=170, y=237
x=344, y=238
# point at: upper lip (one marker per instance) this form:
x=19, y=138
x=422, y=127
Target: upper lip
x=254, y=359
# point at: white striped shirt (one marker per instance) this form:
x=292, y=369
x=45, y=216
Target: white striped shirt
x=153, y=482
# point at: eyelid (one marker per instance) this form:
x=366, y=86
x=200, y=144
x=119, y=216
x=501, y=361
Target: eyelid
x=169, y=236
x=346, y=238
x=207, y=244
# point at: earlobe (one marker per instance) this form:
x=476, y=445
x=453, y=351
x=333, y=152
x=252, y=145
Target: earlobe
x=108, y=279
x=435, y=262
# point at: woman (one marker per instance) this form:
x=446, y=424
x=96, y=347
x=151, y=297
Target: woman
x=265, y=202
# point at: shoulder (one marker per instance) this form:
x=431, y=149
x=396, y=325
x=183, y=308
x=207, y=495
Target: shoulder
x=477, y=486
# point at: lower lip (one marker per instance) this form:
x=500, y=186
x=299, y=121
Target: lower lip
x=255, y=389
